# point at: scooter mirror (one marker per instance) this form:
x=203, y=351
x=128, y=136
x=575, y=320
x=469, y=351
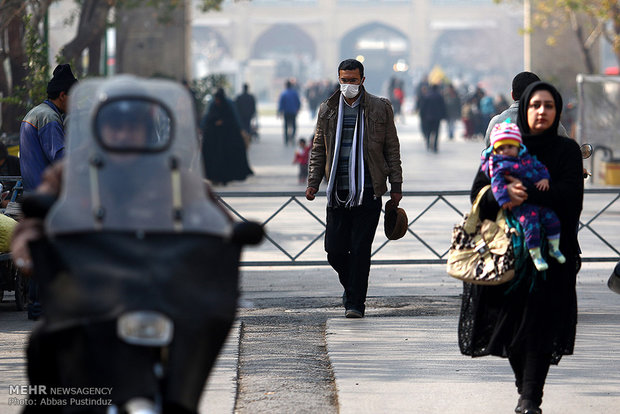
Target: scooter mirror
x=586, y=151
x=248, y=233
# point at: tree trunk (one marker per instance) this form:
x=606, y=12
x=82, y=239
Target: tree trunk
x=91, y=28
x=614, y=16
x=11, y=113
x=17, y=54
x=585, y=51
x=94, y=57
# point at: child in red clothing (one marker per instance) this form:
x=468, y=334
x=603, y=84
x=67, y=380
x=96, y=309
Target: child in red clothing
x=301, y=157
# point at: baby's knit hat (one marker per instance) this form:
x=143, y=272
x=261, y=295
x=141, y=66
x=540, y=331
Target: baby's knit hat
x=506, y=133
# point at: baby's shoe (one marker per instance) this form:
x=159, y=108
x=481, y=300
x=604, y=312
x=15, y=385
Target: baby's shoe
x=554, y=251
x=557, y=255
x=539, y=262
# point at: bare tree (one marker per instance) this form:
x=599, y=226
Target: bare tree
x=587, y=19
x=92, y=24
x=90, y=31
x=13, y=51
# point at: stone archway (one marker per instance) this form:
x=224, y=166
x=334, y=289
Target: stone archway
x=381, y=46
x=210, y=52
x=292, y=50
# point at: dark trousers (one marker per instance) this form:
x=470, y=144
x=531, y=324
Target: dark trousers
x=290, y=128
x=431, y=134
x=530, y=369
x=34, y=306
x=348, y=242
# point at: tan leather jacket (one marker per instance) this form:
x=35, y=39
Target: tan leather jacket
x=380, y=140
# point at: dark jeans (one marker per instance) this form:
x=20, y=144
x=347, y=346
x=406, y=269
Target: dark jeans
x=290, y=128
x=530, y=369
x=348, y=242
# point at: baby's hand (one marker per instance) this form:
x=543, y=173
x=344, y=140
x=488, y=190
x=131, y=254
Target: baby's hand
x=508, y=206
x=543, y=185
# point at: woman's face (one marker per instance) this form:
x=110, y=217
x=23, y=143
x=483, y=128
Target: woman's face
x=540, y=111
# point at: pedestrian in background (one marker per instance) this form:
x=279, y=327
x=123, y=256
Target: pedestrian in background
x=246, y=108
x=453, y=108
x=432, y=111
x=288, y=107
x=223, y=147
x=397, y=96
x=519, y=83
x=42, y=132
x=301, y=158
x=469, y=112
x=41, y=143
x=532, y=319
x=356, y=148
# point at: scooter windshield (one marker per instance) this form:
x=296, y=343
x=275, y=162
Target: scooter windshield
x=133, y=161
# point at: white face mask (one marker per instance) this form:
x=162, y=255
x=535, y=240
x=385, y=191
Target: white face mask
x=349, y=90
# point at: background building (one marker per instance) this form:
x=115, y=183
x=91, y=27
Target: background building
x=265, y=42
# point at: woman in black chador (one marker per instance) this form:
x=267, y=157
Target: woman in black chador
x=223, y=147
x=532, y=319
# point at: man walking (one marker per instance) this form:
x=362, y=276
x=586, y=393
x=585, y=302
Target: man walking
x=42, y=133
x=288, y=106
x=246, y=107
x=356, y=148
x=432, y=111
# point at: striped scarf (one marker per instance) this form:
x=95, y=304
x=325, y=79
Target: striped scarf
x=356, y=163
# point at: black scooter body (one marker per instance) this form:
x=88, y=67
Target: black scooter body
x=89, y=280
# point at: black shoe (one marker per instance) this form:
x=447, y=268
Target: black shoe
x=353, y=313
x=519, y=408
x=530, y=407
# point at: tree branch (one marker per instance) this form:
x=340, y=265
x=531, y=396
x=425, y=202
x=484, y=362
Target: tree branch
x=92, y=25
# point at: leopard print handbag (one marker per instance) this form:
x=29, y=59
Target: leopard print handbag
x=482, y=252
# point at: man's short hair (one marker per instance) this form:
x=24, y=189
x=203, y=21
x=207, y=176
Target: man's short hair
x=520, y=82
x=351, y=64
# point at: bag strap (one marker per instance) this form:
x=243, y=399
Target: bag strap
x=474, y=214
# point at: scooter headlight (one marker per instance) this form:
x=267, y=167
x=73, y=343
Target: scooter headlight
x=145, y=328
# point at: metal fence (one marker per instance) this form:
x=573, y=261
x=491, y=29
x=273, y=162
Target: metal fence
x=295, y=227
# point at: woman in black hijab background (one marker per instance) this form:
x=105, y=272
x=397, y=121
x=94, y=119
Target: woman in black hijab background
x=532, y=319
x=223, y=148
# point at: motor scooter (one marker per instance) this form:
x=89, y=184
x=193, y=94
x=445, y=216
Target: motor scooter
x=138, y=269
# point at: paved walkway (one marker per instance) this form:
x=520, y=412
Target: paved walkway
x=398, y=364
x=413, y=365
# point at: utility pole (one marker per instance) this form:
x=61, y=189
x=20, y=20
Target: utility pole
x=527, y=38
